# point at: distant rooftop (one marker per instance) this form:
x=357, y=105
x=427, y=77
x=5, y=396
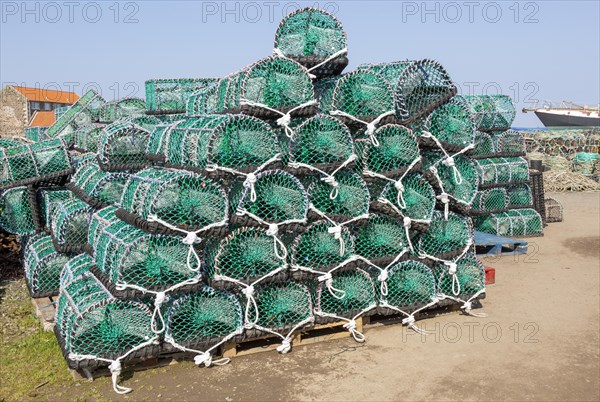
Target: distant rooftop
x=47, y=95
x=42, y=118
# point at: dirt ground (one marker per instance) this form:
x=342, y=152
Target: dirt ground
x=539, y=342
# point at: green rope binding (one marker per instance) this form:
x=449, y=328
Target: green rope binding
x=122, y=146
x=83, y=112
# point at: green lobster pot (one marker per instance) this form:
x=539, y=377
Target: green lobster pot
x=122, y=146
x=281, y=306
x=318, y=249
x=351, y=196
x=170, y=95
x=75, y=267
x=520, y=196
x=18, y=211
x=491, y=112
x=202, y=102
x=43, y=264
x=410, y=286
x=485, y=147
x=452, y=125
x=146, y=122
x=100, y=220
x=69, y=223
x=49, y=195
x=493, y=199
x=315, y=39
x=85, y=139
x=516, y=223
x=83, y=112
x=446, y=238
x=509, y=143
x=35, y=134
x=502, y=171
x=467, y=282
x=381, y=239
x=127, y=107
x=96, y=187
x=415, y=200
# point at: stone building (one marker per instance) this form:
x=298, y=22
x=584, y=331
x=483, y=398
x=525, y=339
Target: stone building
x=22, y=107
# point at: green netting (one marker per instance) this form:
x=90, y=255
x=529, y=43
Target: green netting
x=69, y=223
x=59, y=111
x=491, y=112
x=83, y=112
x=415, y=199
x=100, y=220
x=518, y=222
x=94, y=325
x=75, y=267
x=12, y=141
x=44, y=162
x=493, y=199
x=509, y=143
x=381, y=239
x=148, y=123
x=484, y=145
x=520, y=196
x=457, y=177
x=185, y=200
x=461, y=281
x=97, y=187
x=17, y=211
x=502, y=170
x=202, y=102
x=281, y=307
x=35, y=134
x=419, y=86
x=246, y=255
x=128, y=256
x=345, y=199
x=122, y=146
x=279, y=198
x=272, y=83
x=391, y=152
x=219, y=144
x=119, y=109
x=47, y=196
x=85, y=139
x=79, y=160
x=170, y=95
x=446, y=238
x=321, y=142
x=450, y=126
x=42, y=266
x=354, y=296
x=315, y=39
x=203, y=319
x=320, y=248
x=410, y=288
x=585, y=163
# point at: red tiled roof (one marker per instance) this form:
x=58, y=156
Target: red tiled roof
x=42, y=119
x=47, y=95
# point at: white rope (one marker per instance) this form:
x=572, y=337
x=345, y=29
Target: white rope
x=371, y=127
x=329, y=178
x=286, y=343
x=191, y=238
x=449, y=159
x=205, y=357
x=467, y=305
x=286, y=118
x=407, y=224
x=279, y=53
x=336, y=229
x=350, y=325
x=445, y=199
x=410, y=318
x=452, y=268
x=250, y=177
x=328, y=279
x=397, y=182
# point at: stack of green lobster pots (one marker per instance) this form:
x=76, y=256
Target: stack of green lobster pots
x=282, y=196
x=504, y=202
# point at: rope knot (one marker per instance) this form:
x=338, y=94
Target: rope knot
x=350, y=325
x=370, y=132
x=449, y=162
x=443, y=198
x=190, y=239
x=284, y=121
x=286, y=346
x=331, y=181
x=160, y=299
x=399, y=186
x=204, y=358
x=336, y=231
x=273, y=229
x=248, y=291
x=383, y=276
x=249, y=183
x=325, y=278
x=451, y=267
x=410, y=320
x=467, y=306
x=115, y=367
x=407, y=223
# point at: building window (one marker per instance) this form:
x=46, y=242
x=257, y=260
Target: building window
x=47, y=106
x=35, y=105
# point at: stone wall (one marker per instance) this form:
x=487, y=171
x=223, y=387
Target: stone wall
x=13, y=112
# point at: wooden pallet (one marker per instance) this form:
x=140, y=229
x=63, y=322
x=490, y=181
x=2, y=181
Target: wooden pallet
x=318, y=333
x=44, y=309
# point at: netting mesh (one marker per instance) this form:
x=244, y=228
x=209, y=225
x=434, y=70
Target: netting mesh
x=485, y=147
x=314, y=39
x=410, y=286
x=112, y=111
x=75, y=267
x=391, y=151
x=42, y=266
x=97, y=187
x=414, y=200
x=85, y=139
x=419, y=86
x=18, y=212
x=148, y=123
x=122, y=146
x=219, y=144
x=45, y=162
x=246, y=255
x=457, y=177
x=69, y=222
x=35, y=134
x=518, y=222
x=128, y=256
x=451, y=125
x=320, y=249
x=281, y=306
x=381, y=239
x=494, y=171
x=493, y=199
x=170, y=95
x=178, y=198
x=446, y=238
x=83, y=112
x=520, y=196
x=463, y=281
x=203, y=101
x=509, y=143
x=348, y=199
x=47, y=196
x=275, y=82
x=93, y=323
x=100, y=220
x=322, y=142
x=201, y=319
x=491, y=112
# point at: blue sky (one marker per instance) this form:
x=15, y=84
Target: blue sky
x=546, y=50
